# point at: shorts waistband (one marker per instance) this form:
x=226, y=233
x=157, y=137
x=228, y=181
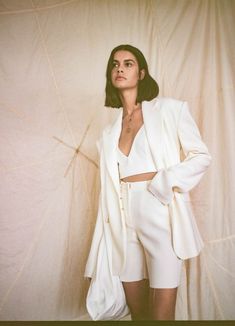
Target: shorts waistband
x=135, y=185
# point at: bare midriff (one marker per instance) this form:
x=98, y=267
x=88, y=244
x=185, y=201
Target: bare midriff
x=139, y=177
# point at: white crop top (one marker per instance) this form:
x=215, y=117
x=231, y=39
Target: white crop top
x=139, y=159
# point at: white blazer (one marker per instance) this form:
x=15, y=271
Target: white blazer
x=171, y=133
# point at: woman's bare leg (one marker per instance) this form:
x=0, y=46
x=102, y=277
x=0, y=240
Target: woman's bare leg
x=137, y=294
x=162, y=303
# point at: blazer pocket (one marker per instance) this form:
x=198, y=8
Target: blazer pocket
x=156, y=198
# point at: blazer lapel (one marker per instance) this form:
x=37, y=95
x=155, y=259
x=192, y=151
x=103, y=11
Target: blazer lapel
x=110, y=141
x=153, y=123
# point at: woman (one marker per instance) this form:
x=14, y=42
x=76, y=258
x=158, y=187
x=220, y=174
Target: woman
x=144, y=187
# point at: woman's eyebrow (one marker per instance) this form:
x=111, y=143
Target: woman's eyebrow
x=125, y=60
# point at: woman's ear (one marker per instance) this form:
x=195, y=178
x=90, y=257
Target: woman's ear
x=142, y=74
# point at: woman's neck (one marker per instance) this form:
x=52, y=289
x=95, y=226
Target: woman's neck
x=128, y=99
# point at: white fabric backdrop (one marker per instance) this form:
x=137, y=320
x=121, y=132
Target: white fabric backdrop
x=52, y=77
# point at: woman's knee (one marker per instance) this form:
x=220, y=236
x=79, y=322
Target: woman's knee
x=162, y=303
x=137, y=298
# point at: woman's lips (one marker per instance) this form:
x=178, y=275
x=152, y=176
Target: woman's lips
x=120, y=78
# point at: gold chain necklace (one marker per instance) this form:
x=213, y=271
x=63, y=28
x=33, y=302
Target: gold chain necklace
x=128, y=129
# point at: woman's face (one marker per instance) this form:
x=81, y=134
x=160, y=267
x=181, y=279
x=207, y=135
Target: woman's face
x=125, y=73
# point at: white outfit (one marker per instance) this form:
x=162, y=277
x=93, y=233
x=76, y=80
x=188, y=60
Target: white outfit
x=139, y=159
x=149, y=251
x=180, y=157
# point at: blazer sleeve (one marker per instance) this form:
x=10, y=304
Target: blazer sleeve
x=97, y=236
x=98, y=232
x=185, y=175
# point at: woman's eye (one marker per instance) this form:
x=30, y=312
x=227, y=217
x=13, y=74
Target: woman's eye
x=128, y=64
x=115, y=65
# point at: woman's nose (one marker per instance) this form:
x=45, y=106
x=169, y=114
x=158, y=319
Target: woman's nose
x=120, y=69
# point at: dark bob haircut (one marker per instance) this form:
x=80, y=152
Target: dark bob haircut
x=147, y=87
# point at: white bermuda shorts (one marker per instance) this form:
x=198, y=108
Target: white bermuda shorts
x=149, y=247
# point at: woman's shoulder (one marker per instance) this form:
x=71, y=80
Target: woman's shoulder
x=167, y=105
x=170, y=102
